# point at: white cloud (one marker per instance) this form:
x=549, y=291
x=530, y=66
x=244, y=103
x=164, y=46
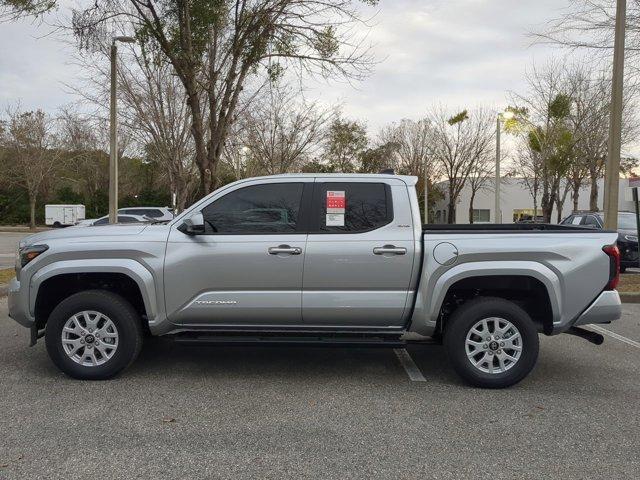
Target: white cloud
x=458, y=52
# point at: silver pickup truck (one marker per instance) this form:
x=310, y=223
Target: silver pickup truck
x=314, y=259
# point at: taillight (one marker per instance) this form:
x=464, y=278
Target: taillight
x=614, y=266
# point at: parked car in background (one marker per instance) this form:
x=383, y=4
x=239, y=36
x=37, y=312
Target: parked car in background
x=627, y=233
x=105, y=220
x=63, y=215
x=157, y=214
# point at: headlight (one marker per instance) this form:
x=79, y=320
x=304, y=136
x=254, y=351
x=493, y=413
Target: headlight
x=631, y=238
x=26, y=254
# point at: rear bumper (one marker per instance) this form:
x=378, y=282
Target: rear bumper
x=605, y=309
x=18, y=304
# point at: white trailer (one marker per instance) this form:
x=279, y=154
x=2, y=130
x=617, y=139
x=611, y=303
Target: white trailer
x=63, y=215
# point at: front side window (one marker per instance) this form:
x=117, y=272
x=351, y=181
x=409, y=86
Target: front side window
x=269, y=208
x=353, y=207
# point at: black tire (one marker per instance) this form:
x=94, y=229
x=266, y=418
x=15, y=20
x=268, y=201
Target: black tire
x=56, y=225
x=118, y=310
x=465, y=318
x=623, y=269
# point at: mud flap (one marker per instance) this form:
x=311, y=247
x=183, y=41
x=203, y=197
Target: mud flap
x=35, y=335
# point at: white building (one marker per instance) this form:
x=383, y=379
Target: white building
x=516, y=201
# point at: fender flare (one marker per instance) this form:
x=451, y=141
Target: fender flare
x=432, y=294
x=134, y=270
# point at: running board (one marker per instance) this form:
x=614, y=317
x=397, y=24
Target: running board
x=306, y=341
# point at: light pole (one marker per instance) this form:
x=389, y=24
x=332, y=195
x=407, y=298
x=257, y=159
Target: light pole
x=506, y=115
x=113, y=144
x=612, y=172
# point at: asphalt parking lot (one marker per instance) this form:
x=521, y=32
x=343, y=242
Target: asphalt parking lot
x=287, y=412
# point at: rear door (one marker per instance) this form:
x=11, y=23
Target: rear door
x=68, y=216
x=359, y=255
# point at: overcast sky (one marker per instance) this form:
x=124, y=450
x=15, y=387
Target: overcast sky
x=455, y=52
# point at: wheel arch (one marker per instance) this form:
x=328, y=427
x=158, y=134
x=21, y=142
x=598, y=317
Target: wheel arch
x=58, y=280
x=496, y=279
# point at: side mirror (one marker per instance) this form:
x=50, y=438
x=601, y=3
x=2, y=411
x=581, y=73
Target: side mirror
x=193, y=225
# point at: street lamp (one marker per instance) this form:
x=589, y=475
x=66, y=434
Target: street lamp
x=506, y=115
x=113, y=146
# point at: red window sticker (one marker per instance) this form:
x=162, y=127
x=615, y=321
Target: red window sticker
x=336, y=202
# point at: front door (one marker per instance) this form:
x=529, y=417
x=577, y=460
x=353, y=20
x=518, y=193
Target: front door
x=360, y=255
x=246, y=269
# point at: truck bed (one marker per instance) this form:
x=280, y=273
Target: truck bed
x=507, y=228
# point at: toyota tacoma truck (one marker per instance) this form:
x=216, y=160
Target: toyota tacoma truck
x=314, y=259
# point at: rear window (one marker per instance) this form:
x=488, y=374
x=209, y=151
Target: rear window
x=352, y=207
x=149, y=212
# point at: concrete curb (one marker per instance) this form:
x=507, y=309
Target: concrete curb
x=630, y=297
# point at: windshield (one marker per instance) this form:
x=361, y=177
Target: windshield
x=627, y=221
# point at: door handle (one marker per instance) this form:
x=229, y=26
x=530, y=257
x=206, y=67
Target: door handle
x=284, y=249
x=389, y=249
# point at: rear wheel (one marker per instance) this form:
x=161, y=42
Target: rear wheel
x=93, y=335
x=491, y=342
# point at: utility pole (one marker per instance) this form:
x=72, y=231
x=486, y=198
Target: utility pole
x=113, y=143
x=497, y=215
x=612, y=172
x=113, y=133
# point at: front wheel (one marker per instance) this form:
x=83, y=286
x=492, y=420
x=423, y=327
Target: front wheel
x=491, y=342
x=93, y=335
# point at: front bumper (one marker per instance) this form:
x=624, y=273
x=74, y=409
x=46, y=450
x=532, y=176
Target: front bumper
x=605, y=309
x=18, y=303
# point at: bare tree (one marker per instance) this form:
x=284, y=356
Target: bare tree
x=31, y=143
x=545, y=113
x=218, y=47
x=527, y=168
x=459, y=143
x=160, y=119
x=412, y=148
x=590, y=25
x=283, y=132
x=480, y=178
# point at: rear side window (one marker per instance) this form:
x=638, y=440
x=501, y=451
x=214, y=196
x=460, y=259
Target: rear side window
x=592, y=221
x=352, y=207
x=269, y=208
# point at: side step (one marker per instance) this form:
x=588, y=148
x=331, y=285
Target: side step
x=306, y=341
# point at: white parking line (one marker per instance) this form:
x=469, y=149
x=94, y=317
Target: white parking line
x=611, y=334
x=415, y=375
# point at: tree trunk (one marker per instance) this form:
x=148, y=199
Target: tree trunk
x=593, y=194
x=32, y=212
x=451, y=212
x=576, y=197
x=473, y=194
x=559, y=205
x=197, y=132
